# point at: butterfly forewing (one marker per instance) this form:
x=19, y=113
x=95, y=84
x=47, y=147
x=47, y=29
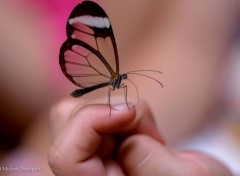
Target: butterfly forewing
x=89, y=56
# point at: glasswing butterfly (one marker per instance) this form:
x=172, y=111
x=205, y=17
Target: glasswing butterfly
x=89, y=56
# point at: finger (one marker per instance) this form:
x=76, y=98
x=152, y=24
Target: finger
x=147, y=124
x=75, y=148
x=141, y=155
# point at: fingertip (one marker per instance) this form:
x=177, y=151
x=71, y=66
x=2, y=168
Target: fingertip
x=117, y=118
x=122, y=106
x=109, y=110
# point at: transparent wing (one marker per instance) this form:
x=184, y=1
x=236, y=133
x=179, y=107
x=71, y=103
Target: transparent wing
x=89, y=56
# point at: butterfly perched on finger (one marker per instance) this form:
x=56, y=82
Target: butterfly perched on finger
x=89, y=57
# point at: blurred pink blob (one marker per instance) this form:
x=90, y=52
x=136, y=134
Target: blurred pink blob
x=55, y=14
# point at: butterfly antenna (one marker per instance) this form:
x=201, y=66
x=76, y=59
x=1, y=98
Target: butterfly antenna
x=134, y=73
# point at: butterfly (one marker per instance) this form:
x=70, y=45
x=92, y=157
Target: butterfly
x=89, y=56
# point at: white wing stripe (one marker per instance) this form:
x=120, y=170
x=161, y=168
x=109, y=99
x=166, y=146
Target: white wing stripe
x=98, y=22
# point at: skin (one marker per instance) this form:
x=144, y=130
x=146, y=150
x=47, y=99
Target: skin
x=87, y=141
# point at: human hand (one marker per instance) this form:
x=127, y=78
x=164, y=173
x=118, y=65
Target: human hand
x=90, y=142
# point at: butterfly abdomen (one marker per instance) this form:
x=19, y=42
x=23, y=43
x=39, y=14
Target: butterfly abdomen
x=80, y=92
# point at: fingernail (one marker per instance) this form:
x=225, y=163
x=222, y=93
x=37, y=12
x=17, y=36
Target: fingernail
x=122, y=106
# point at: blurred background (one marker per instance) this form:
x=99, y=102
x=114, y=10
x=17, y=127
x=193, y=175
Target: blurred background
x=31, y=33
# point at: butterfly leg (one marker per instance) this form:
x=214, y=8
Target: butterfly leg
x=109, y=98
x=125, y=94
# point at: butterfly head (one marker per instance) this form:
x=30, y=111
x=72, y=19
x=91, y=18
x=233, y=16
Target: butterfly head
x=123, y=76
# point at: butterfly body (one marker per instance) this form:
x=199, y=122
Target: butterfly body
x=116, y=83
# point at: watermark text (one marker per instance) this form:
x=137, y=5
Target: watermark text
x=19, y=168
